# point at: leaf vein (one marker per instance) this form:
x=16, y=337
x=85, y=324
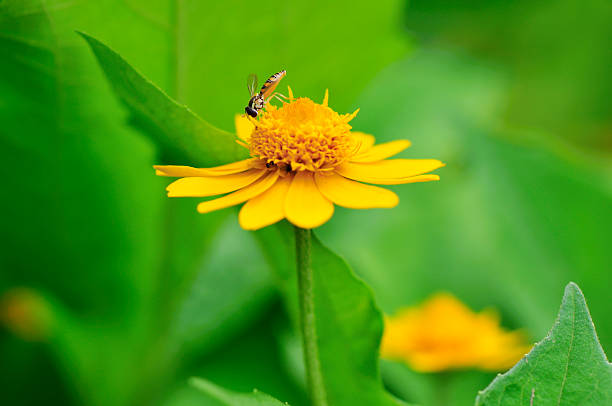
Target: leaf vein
x=569, y=351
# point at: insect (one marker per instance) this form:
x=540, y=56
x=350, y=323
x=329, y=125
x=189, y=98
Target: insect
x=259, y=100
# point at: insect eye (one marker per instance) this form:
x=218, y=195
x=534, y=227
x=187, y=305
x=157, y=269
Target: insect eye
x=250, y=111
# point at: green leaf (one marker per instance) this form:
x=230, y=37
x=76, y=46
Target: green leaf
x=349, y=328
x=566, y=368
x=173, y=127
x=229, y=398
x=217, y=296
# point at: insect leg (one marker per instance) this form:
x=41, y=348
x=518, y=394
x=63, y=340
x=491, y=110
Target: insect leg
x=278, y=96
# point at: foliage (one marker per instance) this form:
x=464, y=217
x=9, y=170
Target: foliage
x=556, y=85
x=568, y=367
x=235, y=399
x=349, y=328
x=145, y=292
x=173, y=127
x=501, y=210
x=500, y=216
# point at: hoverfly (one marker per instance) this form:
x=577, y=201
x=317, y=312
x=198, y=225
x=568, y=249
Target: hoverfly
x=259, y=100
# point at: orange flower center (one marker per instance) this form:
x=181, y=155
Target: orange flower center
x=302, y=135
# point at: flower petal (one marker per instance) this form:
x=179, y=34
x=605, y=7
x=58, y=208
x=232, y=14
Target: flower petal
x=362, y=141
x=267, y=208
x=305, y=206
x=414, y=179
x=349, y=117
x=381, y=151
x=391, y=171
x=179, y=171
x=354, y=195
x=244, y=127
x=249, y=192
x=326, y=98
x=401, y=181
x=212, y=185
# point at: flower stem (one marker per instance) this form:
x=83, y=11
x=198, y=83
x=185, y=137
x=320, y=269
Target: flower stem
x=314, y=379
x=442, y=388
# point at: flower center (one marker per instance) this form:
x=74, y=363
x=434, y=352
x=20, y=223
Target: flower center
x=302, y=135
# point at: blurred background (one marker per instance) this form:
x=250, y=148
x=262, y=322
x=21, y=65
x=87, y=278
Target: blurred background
x=116, y=294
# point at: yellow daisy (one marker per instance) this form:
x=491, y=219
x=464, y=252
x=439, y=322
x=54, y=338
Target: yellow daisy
x=444, y=334
x=305, y=159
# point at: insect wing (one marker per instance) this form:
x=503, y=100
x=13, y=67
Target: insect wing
x=252, y=84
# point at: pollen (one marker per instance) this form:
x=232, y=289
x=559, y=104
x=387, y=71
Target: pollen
x=302, y=136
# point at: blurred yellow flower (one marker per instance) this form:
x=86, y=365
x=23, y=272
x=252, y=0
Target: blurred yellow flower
x=305, y=159
x=444, y=334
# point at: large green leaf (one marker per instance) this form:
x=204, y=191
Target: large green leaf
x=349, y=328
x=208, y=304
x=176, y=130
x=230, y=398
x=566, y=368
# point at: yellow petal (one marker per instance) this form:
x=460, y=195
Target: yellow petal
x=267, y=208
x=401, y=181
x=381, y=151
x=413, y=179
x=326, y=98
x=354, y=195
x=290, y=92
x=349, y=117
x=212, y=185
x=179, y=171
x=391, y=171
x=244, y=127
x=305, y=206
x=362, y=142
x=249, y=192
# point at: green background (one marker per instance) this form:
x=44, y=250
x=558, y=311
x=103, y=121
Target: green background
x=145, y=292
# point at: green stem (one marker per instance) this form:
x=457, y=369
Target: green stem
x=314, y=379
x=442, y=388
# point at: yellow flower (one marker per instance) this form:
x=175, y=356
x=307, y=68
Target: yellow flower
x=444, y=334
x=305, y=159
